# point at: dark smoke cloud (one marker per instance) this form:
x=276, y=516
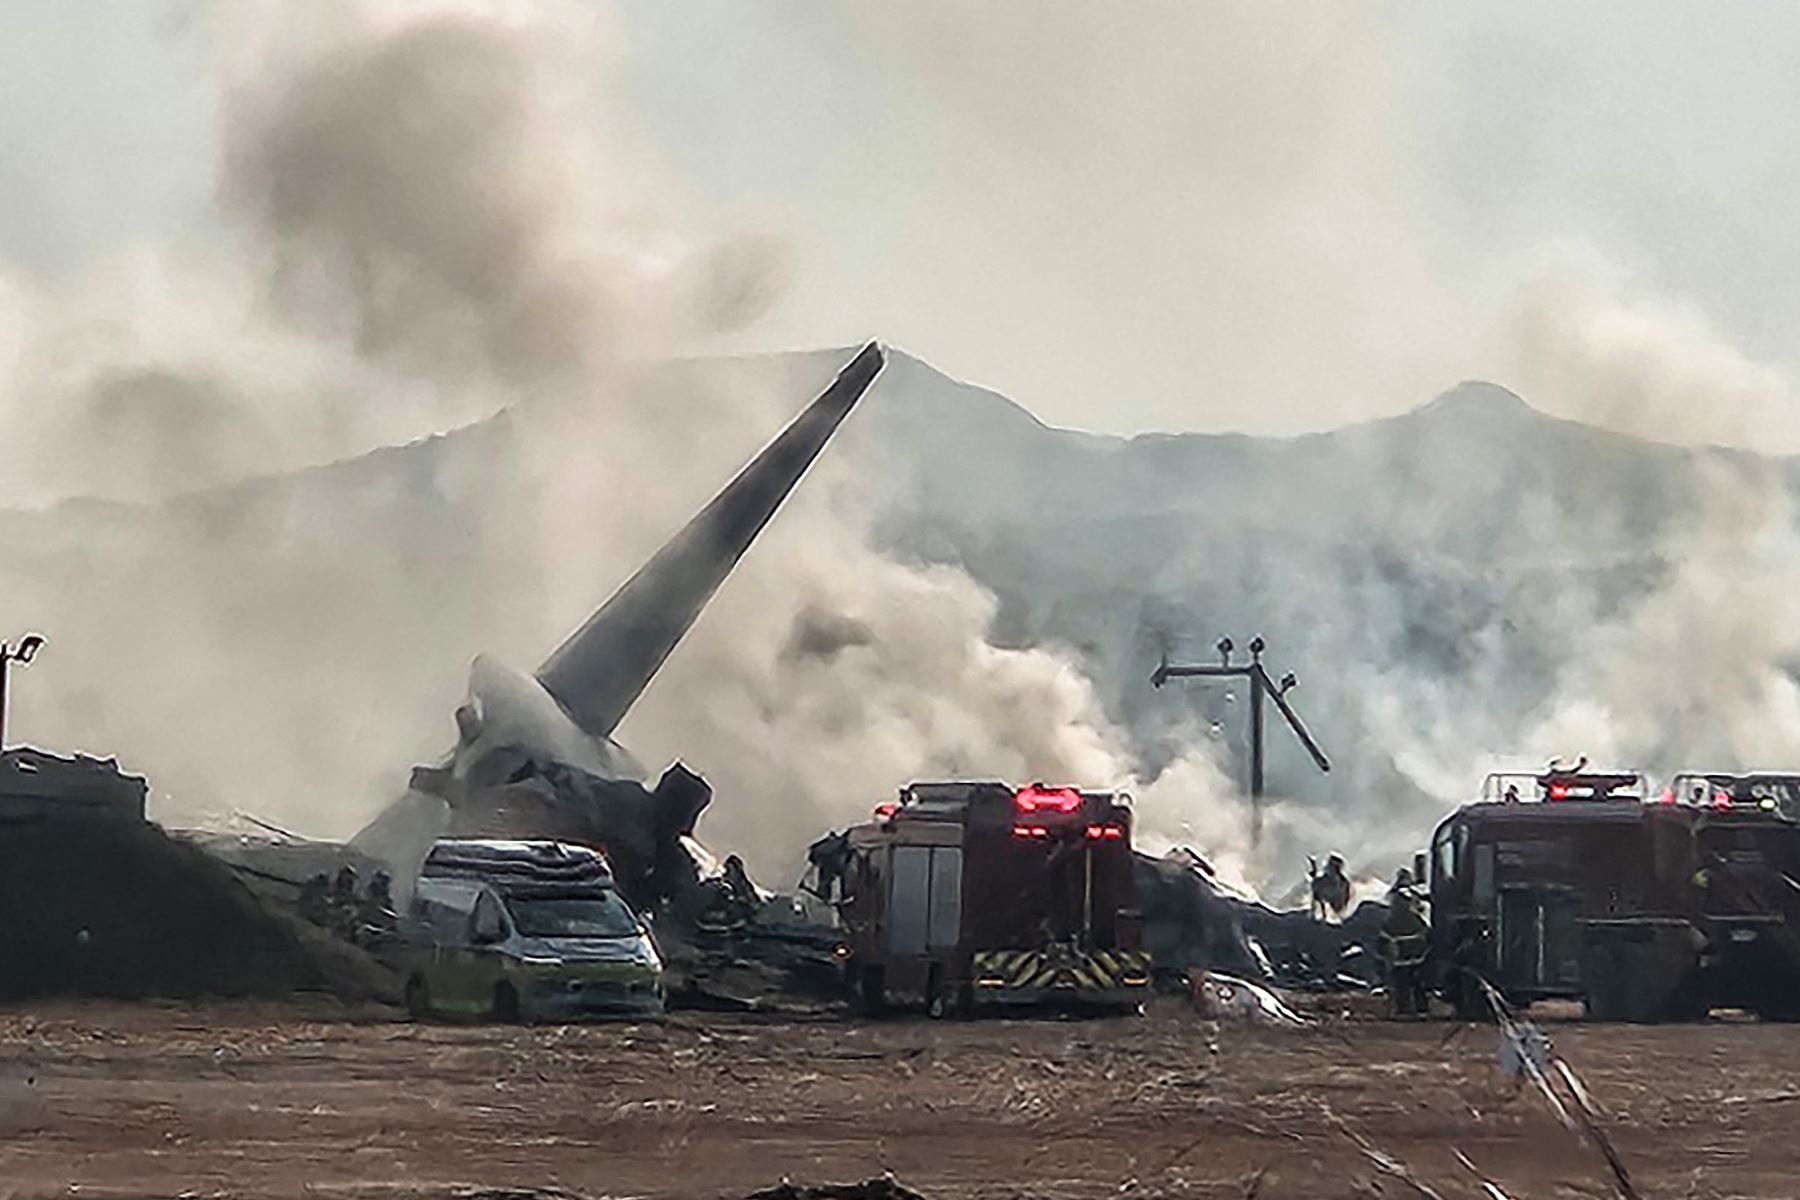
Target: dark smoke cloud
x=417, y=192
x=425, y=216
x=428, y=222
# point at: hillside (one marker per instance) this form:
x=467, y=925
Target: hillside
x=1472, y=580
x=1462, y=581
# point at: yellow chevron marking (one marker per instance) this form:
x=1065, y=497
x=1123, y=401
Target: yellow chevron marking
x=1098, y=970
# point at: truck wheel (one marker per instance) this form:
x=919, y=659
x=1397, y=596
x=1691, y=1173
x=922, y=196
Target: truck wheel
x=944, y=1001
x=936, y=999
x=1652, y=999
x=870, y=992
x=418, y=998
x=1601, y=1001
x=1468, y=1000
x=506, y=1003
x=1625, y=988
x=1688, y=1003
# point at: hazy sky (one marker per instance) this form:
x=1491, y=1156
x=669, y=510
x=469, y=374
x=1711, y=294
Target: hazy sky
x=1161, y=215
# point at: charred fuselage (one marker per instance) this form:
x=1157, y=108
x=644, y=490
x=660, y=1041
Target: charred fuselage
x=535, y=755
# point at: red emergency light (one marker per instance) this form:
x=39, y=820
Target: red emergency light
x=1589, y=786
x=885, y=812
x=1037, y=798
x=1111, y=833
x=1030, y=831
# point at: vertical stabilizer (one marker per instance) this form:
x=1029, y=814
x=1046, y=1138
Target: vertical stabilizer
x=600, y=671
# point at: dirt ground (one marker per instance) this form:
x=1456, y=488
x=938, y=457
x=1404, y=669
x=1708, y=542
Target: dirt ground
x=102, y=1100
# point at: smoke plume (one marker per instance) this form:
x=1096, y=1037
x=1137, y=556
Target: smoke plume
x=432, y=229
x=429, y=224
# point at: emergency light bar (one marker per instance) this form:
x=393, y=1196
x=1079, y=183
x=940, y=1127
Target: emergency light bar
x=1560, y=786
x=1037, y=798
x=1770, y=791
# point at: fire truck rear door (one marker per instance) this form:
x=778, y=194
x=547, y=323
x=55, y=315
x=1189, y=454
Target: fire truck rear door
x=946, y=897
x=925, y=906
x=909, y=904
x=1539, y=938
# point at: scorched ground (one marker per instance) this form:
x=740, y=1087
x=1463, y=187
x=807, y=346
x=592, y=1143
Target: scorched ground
x=229, y=1100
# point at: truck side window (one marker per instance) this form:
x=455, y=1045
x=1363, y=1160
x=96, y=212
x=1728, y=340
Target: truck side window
x=1446, y=854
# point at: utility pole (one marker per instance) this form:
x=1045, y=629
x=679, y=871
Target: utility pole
x=22, y=654
x=1261, y=688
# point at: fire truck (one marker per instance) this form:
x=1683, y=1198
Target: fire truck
x=1578, y=885
x=959, y=896
x=1771, y=791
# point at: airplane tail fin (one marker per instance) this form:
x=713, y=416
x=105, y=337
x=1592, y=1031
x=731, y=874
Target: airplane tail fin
x=604, y=666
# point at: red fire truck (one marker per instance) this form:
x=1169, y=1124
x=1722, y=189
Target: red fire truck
x=965, y=895
x=1578, y=884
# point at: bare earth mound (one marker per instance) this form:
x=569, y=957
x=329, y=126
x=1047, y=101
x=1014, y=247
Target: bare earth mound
x=115, y=908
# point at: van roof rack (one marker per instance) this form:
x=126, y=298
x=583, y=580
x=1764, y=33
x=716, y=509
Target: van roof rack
x=523, y=862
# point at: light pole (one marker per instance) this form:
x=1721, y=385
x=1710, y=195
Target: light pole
x=1261, y=688
x=22, y=654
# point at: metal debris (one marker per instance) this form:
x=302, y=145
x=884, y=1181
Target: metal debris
x=1383, y=1162
x=1225, y=997
x=1489, y=1189
x=1577, y=1113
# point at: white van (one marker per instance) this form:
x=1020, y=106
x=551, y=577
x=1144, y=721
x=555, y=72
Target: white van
x=491, y=937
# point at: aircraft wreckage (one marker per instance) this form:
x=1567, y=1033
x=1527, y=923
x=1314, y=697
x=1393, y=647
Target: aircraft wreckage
x=535, y=755
x=535, y=758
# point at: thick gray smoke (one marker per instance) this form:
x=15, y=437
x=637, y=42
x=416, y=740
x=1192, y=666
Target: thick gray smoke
x=1586, y=340
x=428, y=224
x=426, y=215
x=423, y=192
x=831, y=675
x=1473, y=586
x=1341, y=249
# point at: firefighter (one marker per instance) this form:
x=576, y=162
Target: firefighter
x=743, y=892
x=729, y=900
x=376, y=916
x=1403, y=945
x=315, y=899
x=341, y=905
x=1331, y=891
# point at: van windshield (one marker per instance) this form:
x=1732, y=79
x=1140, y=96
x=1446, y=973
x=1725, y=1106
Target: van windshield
x=604, y=915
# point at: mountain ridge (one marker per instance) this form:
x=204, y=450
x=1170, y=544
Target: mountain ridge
x=1470, y=407
x=1438, y=578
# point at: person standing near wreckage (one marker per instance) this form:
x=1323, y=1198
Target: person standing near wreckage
x=315, y=899
x=376, y=918
x=341, y=906
x=1403, y=944
x=1331, y=891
